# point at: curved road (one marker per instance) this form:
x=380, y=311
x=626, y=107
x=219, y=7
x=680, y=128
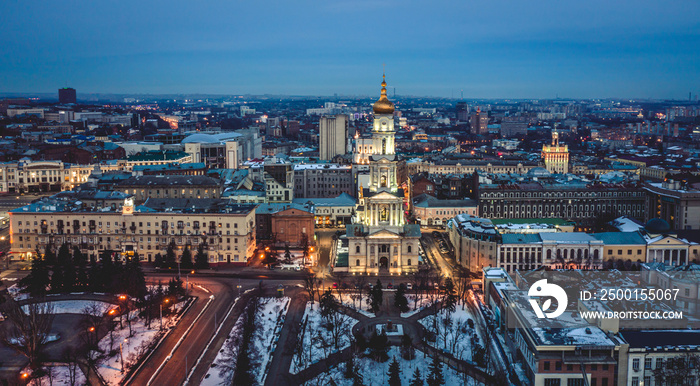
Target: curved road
x=176, y=368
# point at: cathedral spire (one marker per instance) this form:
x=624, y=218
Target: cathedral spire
x=383, y=105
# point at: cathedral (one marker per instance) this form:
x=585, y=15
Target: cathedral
x=379, y=240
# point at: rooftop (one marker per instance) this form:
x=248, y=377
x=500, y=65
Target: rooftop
x=169, y=180
x=157, y=155
x=620, y=238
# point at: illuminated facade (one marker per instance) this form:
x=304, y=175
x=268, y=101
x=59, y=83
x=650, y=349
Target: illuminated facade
x=379, y=240
x=44, y=176
x=556, y=156
x=109, y=222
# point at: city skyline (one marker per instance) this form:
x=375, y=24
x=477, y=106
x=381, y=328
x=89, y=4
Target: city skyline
x=496, y=50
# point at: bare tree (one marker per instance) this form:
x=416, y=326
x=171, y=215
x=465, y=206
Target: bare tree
x=70, y=358
x=91, y=322
x=677, y=370
x=462, y=283
x=28, y=329
x=310, y=285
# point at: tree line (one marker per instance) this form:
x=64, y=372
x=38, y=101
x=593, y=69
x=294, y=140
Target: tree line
x=67, y=271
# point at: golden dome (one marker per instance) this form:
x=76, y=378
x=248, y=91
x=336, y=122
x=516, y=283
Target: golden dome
x=383, y=105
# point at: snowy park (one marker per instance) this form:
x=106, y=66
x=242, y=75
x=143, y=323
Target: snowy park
x=269, y=316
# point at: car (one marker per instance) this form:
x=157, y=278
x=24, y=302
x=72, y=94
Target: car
x=335, y=285
x=389, y=286
x=436, y=234
x=409, y=286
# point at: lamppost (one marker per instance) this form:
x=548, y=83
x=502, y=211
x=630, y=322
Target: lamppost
x=161, y=312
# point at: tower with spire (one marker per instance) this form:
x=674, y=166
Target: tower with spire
x=556, y=156
x=380, y=241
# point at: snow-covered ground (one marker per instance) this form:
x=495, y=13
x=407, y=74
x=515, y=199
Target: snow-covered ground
x=374, y=373
x=316, y=341
x=61, y=376
x=15, y=291
x=133, y=347
x=355, y=300
x=271, y=318
x=454, y=335
x=77, y=306
x=418, y=302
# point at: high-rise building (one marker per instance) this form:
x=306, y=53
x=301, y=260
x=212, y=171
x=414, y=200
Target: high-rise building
x=333, y=132
x=66, y=95
x=479, y=122
x=556, y=156
x=462, y=110
x=379, y=240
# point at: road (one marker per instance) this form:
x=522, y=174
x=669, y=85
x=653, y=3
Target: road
x=441, y=262
x=174, y=371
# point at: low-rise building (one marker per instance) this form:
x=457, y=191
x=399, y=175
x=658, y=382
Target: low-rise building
x=170, y=186
x=431, y=211
x=655, y=358
x=228, y=231
x=330, y=212
x=322, y=180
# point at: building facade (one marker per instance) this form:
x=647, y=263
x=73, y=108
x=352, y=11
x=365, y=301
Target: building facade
x=380, y=241
x=556, y=156
x=678, y=205
x=44, y=176
x=170, y=186
x=228, y=231
x=333, y=136
x=322, y=180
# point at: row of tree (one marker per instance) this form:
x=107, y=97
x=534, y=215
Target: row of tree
x=170, y=261
x=67, y=271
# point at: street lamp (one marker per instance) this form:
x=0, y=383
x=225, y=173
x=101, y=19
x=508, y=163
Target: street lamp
x=161, y=312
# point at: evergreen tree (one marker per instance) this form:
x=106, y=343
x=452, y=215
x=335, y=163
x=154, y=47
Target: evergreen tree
x=376, y=296
x=394, y=373
x=133, y=278
x=417, y=379
x=186, y=259
x=80, y=264
x=449, y=296
x=94, y=276
x=435, y=378
x=329, y=304
x=378, y=346
x=64, y=256
x=400, y=301
x=38, y=279
x=65, y=269
x=57, y=279
x=169, y=261
x=202, y=259
x=49, y=256
x=287, y=254
x=158, y=260
x=175, y=287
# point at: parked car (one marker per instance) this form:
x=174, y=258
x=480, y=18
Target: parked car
x=409, y=286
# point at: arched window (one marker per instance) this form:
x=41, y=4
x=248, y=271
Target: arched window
x=408, y=262
x=549, y=254
x=357, y=249
x=357, y=262
x=409, y=251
